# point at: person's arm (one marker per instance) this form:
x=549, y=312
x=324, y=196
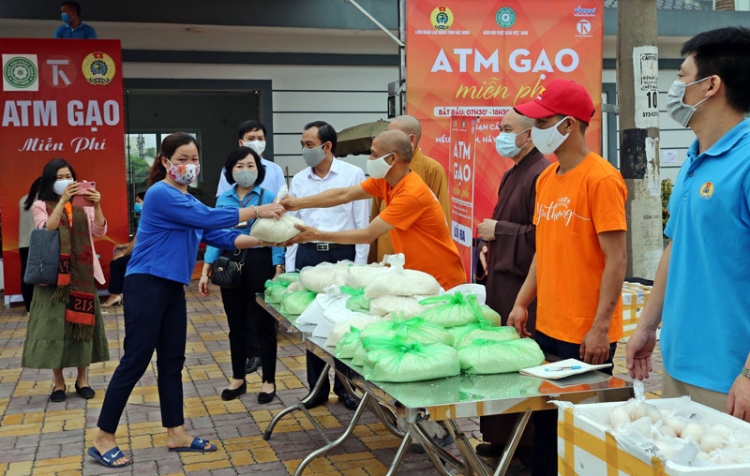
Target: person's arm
x=329, y=198
x=738, y=403
x=97, y=222
x=520, y=312
x=595, y=345
x=372, y=255
x=440, y=188
x=361, y=217
x=346, y=237
x=53, y=220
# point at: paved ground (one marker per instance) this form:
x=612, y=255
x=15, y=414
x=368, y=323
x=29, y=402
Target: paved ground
x=38, y=437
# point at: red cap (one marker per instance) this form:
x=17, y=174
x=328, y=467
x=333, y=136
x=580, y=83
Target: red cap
x=561, y=96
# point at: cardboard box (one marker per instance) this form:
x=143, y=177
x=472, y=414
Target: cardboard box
x=634, y=297
x=586, y=447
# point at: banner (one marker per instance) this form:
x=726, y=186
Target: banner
x=461, y=168
x=482, y=57
x=61, y=98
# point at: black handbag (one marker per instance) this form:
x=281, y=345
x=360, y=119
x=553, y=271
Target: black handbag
x=226, y=270
x=44, y=257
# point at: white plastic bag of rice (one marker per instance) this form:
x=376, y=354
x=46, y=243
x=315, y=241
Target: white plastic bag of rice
x=401, y=282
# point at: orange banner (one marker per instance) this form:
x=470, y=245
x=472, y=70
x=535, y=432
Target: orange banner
x=481, y=57
x=461, y=179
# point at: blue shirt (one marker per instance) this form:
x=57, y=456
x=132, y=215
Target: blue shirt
x=231, y=199
x=81, y=32
x=273, y=180
x=171, y=228
x=705, y=335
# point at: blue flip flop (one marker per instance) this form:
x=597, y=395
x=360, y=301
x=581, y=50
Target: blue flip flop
x=197, y=446
x=108, y=459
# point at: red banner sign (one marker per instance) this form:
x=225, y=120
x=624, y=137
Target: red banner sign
x=461, y=173
x=61, y=98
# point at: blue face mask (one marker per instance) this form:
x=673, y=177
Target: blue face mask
x=65, y=18
x=137, y=207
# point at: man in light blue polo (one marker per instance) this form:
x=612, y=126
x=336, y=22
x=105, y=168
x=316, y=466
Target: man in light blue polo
x=702, y=289
x=73, y=27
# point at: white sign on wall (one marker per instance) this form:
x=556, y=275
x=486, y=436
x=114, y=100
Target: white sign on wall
x=646, y=72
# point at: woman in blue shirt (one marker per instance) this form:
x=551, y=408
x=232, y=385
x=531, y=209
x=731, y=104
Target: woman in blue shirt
x=173, y=223
x=247, y=320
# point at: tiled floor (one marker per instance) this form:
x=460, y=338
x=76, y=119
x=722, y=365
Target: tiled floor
x=38, y=437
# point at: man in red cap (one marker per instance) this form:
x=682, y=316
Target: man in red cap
x=581, y=256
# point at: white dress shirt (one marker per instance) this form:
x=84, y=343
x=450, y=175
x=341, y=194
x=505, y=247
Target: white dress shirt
x=349, y=216
x=273, y=182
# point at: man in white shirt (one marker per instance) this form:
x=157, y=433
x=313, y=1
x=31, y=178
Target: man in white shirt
x=324, y=172
x=252, y=134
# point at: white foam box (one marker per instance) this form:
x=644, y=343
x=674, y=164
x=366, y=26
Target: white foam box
x=634, y=297
x=585, y=446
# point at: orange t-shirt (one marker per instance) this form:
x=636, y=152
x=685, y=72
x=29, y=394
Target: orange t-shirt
x=571, y=210
x=420, y=231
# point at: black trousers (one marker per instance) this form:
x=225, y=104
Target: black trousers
x=247, y=320
x=117, y=268
x=545, y=422
x=27, y=290
x=308, y=256
x=155, y=319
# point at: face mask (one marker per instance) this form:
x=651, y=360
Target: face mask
x=65, y=18
x=378, y=168
x=138, y=207
x=548, y=140
x=505, y=144
x=257, y=145
x=60, y=185
x=676, y=107
x=183, y=174
x=245, y=178
x=313, y=157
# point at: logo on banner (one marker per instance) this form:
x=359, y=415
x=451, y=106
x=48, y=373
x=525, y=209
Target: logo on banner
x=584, y=12
x=59, y=71
x=505, y=17
x=98, y=68
x=583, y=27
x=441, y=18
x=20, y=73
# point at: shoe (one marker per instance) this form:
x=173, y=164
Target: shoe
x=252, y=365
x=348, y=401
x=232, y=393
x=197, y=446
x=58, y=396
x=85, y=392
x=264, y=397
x=442, y=442
x=316, y=401
x=113, y=301
x=489, y=450
x=107, y=459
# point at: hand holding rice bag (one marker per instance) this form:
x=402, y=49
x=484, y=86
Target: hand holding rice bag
x=276, y=230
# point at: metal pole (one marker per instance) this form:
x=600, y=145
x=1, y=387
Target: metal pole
x=376, y=22
x=638, y=96
x=402, y=55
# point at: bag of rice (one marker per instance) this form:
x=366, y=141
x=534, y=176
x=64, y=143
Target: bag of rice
x=464, y=335
x=332, y=298
x=490, y=315
x=276, y=230
x=484, y=356
x=409, y=330
x=384, y=305
x=359, y=276
x=348, y=344
x=398, y=281
x=294, y=304
x=333, y=317
x=452, y=310
x=357, y=300
x=288, y=278
x=274, y=291
x=294, y=287
x=396, y=361
x=360, y=321
x=358, y=358
x=317, y=278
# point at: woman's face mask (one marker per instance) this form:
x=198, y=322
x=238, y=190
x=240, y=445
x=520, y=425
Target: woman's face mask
x=183, y=174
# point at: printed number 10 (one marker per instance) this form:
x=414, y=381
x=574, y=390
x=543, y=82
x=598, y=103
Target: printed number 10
x=653, y=97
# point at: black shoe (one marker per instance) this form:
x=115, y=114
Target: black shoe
x=264, y=397
x=85, y=392
x=57, y=396
x=252, y=365
x=317, y=401
x=231, y=394
x=348, y=401
x=489, y=450
x=442, y=442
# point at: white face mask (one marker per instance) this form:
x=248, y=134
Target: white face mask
x=676, y=107
x=548, y=140
x=505, y=144
x=257, y=145
x=60, y=186
x=378, y=168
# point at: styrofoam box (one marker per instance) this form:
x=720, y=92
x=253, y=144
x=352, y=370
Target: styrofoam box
x=634, y=297
x=586, y=447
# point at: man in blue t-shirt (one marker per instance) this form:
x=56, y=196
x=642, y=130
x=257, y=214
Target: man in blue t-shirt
x=74, y=28
x=701, y=292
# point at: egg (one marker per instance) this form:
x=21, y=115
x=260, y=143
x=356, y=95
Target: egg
x=667, y=430
x=619, y=416
x=723, y=431
x=711, y=442
x=677, y=425
x=639, y=411
x=654, y=415
x=694, y=432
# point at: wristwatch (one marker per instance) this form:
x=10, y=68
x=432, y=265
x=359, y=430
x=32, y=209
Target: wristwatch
x=283, y=268
x=745, y=372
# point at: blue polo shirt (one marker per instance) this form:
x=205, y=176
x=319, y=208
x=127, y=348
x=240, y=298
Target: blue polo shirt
x=705, y=336
x=81, y=32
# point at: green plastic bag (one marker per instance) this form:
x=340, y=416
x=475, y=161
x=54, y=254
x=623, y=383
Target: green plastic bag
x=274, y=291
x=348, y=345
x=483, y=356
x=481, y=330
x=490, y=315
x=394, y=360
x=452, y=310
x=295, y=303
x=357, y=302
x=288, y=278
x=409, y=330
x=359, y=355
